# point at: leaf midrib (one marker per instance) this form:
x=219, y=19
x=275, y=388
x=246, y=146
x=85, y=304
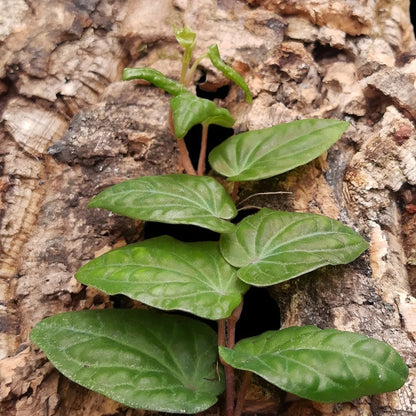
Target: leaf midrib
x=244, y=166
x=134, y=348
x=197, y=273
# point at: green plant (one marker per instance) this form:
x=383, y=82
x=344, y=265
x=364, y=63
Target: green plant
x=152, y=360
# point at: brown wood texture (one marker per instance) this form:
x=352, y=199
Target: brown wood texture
x=70, y=127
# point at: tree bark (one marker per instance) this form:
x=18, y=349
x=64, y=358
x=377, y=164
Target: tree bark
x=70, y=128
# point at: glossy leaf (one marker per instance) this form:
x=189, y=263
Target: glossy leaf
x=271, y=246
x=169, y=274
x=156, y=78
x=190, y=110
x=173, y=199
x=230, y=73
x=261, y=154
x=322, y=365
x=142, y=359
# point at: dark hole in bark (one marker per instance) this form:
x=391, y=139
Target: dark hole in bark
x=221, y=92
x=204, y=92
x=325, y=52
x=260, y=313
x=243, y=213
x=188, y=233
x=216, y=135
x=413, y=14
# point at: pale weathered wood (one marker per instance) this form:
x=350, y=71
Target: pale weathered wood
x=70, y=128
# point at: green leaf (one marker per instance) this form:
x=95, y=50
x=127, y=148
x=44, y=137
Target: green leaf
x=141, y=359
x=185, y=36
x=322, y=365
x=156, y=78
x=261, y=154
x=190, y=110
x=172, y=199
x=272, y=246
x=187, y=39
x=230, y=73
x=169, y=274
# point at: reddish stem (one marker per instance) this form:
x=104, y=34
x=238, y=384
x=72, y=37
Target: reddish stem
x=235, y=192
x=229, y=371
x=221, y=333
x=185, y=159
x=203, y=151
x=231, y=323
x=242, y=394
x=183, y=150
x=230, y=390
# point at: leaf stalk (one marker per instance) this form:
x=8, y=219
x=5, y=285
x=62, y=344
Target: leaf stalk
x=183, y=150
x=203, y=151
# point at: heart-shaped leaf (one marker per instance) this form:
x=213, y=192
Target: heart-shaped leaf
x=142, y=359
x=272, y=246
x=169, y=274
x=322, y=365
x=156, y=78
x=230, y=73
x=261, y=154
x=190, y=110
x=173, y=199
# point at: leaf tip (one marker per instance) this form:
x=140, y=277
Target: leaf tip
x=94, y=203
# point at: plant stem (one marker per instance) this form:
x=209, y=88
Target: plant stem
x=184, y=155
x=203, y=151
x=188, y=78
x=230, y=390
x=260, y=194
x=221, y=334
x=235, y=192
x=231, y=323
x=229, y=371
x=242, y=394
x=183, y=150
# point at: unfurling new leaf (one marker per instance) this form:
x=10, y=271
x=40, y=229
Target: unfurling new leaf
x=230, y=73
x=156, y=78
x=186, y=37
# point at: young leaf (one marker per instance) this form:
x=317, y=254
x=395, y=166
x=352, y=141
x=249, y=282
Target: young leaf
x=169, y=274
x=142, y=359
x=261, y=154
x=190, y=110
x=230, y=73
x=322, y=365
x=185, y=36
x=172, y=199
x=156, y=78
x=272, y=246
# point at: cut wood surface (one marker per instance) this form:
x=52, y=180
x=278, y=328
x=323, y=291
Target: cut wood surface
x=70, y=127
